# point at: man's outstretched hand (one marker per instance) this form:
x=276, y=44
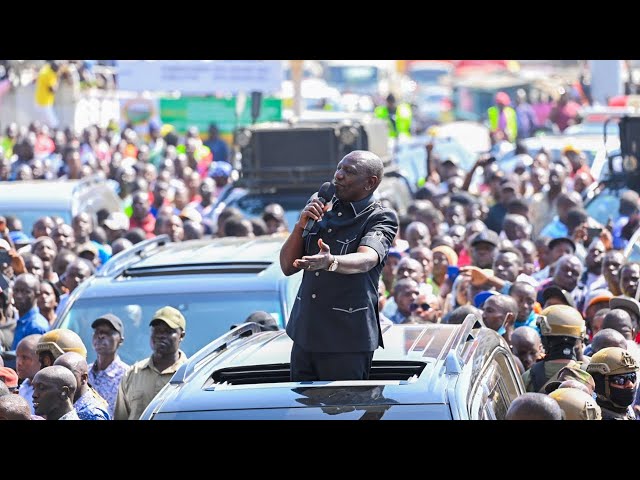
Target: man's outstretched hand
x=320, y=261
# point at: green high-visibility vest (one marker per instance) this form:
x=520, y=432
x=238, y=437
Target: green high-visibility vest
x=403, y=119
x=512, y=121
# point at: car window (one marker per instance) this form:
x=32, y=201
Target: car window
x=208, y=316
x=604, y=205
x=494, y=391
x=29, y=217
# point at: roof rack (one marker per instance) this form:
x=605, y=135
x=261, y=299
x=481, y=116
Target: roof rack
x=453, y=352
x=188, y=368
x=122, y=260
x=196, y=268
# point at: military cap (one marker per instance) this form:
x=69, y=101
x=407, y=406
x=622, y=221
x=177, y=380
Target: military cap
x=576, y=404
x=562, y=320
x=571, y=373
x=60, y=341
x=612, y=361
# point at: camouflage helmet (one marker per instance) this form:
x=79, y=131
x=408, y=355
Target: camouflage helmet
x=576, y=404
x=60, y=341
x=612, y=361
x=562, y=321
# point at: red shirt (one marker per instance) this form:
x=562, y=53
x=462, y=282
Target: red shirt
x=148, y=224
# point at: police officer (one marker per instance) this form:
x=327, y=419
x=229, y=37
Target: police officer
x=576, y=404
x=615, y=372
x=334, y=322
x=398, y=116
x=56, y=343
x=562, y=329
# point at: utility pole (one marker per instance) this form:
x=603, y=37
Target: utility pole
x=296, y=78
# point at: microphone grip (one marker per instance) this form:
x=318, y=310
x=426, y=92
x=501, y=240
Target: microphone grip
x=310, y=221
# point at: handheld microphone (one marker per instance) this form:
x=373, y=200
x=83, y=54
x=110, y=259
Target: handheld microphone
x=325, y=194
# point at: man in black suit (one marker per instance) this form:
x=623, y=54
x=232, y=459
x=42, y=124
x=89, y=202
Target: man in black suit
x=334, y=322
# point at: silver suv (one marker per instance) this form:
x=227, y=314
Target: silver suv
x=425, y=372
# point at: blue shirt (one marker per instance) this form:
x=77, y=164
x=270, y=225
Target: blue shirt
x=529, y=322
x=555, y=229
x=91, y=406
x=30, y=323
x=219, y=149
x=26, y=391
x=107, y=381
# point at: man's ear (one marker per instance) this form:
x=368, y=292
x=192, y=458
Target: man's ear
x=508, y=318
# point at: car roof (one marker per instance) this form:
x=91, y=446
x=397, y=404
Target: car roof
x=233, y=264
x=36, y=193
x=414, y=367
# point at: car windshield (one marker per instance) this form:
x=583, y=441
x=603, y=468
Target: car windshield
x=252, y=205
x=29, y=217
x=605, y=205
x=208, y=316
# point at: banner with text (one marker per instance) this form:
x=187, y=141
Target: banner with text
x=185, y=112
x=200, y=77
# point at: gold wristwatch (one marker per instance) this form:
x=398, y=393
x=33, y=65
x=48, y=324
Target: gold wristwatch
x=334, y=265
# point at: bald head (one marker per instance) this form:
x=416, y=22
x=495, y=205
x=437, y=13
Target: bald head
x=417, y=234
x=534, y=406
x=372, y=163
x=14, y=407
x=524, y=335
x=73, y=361
x=607, y=337
x=53, y=391
x=29, y=342
x=619, y=320
x=77, y=365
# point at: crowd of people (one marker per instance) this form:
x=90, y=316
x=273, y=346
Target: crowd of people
x=516, y=249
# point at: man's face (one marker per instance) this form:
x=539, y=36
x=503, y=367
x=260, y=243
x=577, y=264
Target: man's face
x=560, y=249
x=529, y=352
x=46, y=250
x=595, y=256
x=507, y=266
x=351, y=180
x=611, y=267
x=629, y=276
x=24, y=295
x=27, y=363
x=425, y=257
x=567, y=274
x=409, y=268
x=165, y=341
x=516, y=230
x=82, y=225
x=45, y=359
x=557, y=175
x=46, y=395
x=493, y=313
x=47, y=298
x=140, y=206
x=482, y=254
x=455, y=215
x=64, y=237
x=34, y=266
x=525, y=297
x=75, y=274
x=405, y=296
x=106, y=339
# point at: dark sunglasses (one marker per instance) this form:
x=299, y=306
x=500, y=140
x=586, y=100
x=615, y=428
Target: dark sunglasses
x=415, y=306
x=622, y=379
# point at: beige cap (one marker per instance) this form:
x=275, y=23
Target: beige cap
x=171, y=317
